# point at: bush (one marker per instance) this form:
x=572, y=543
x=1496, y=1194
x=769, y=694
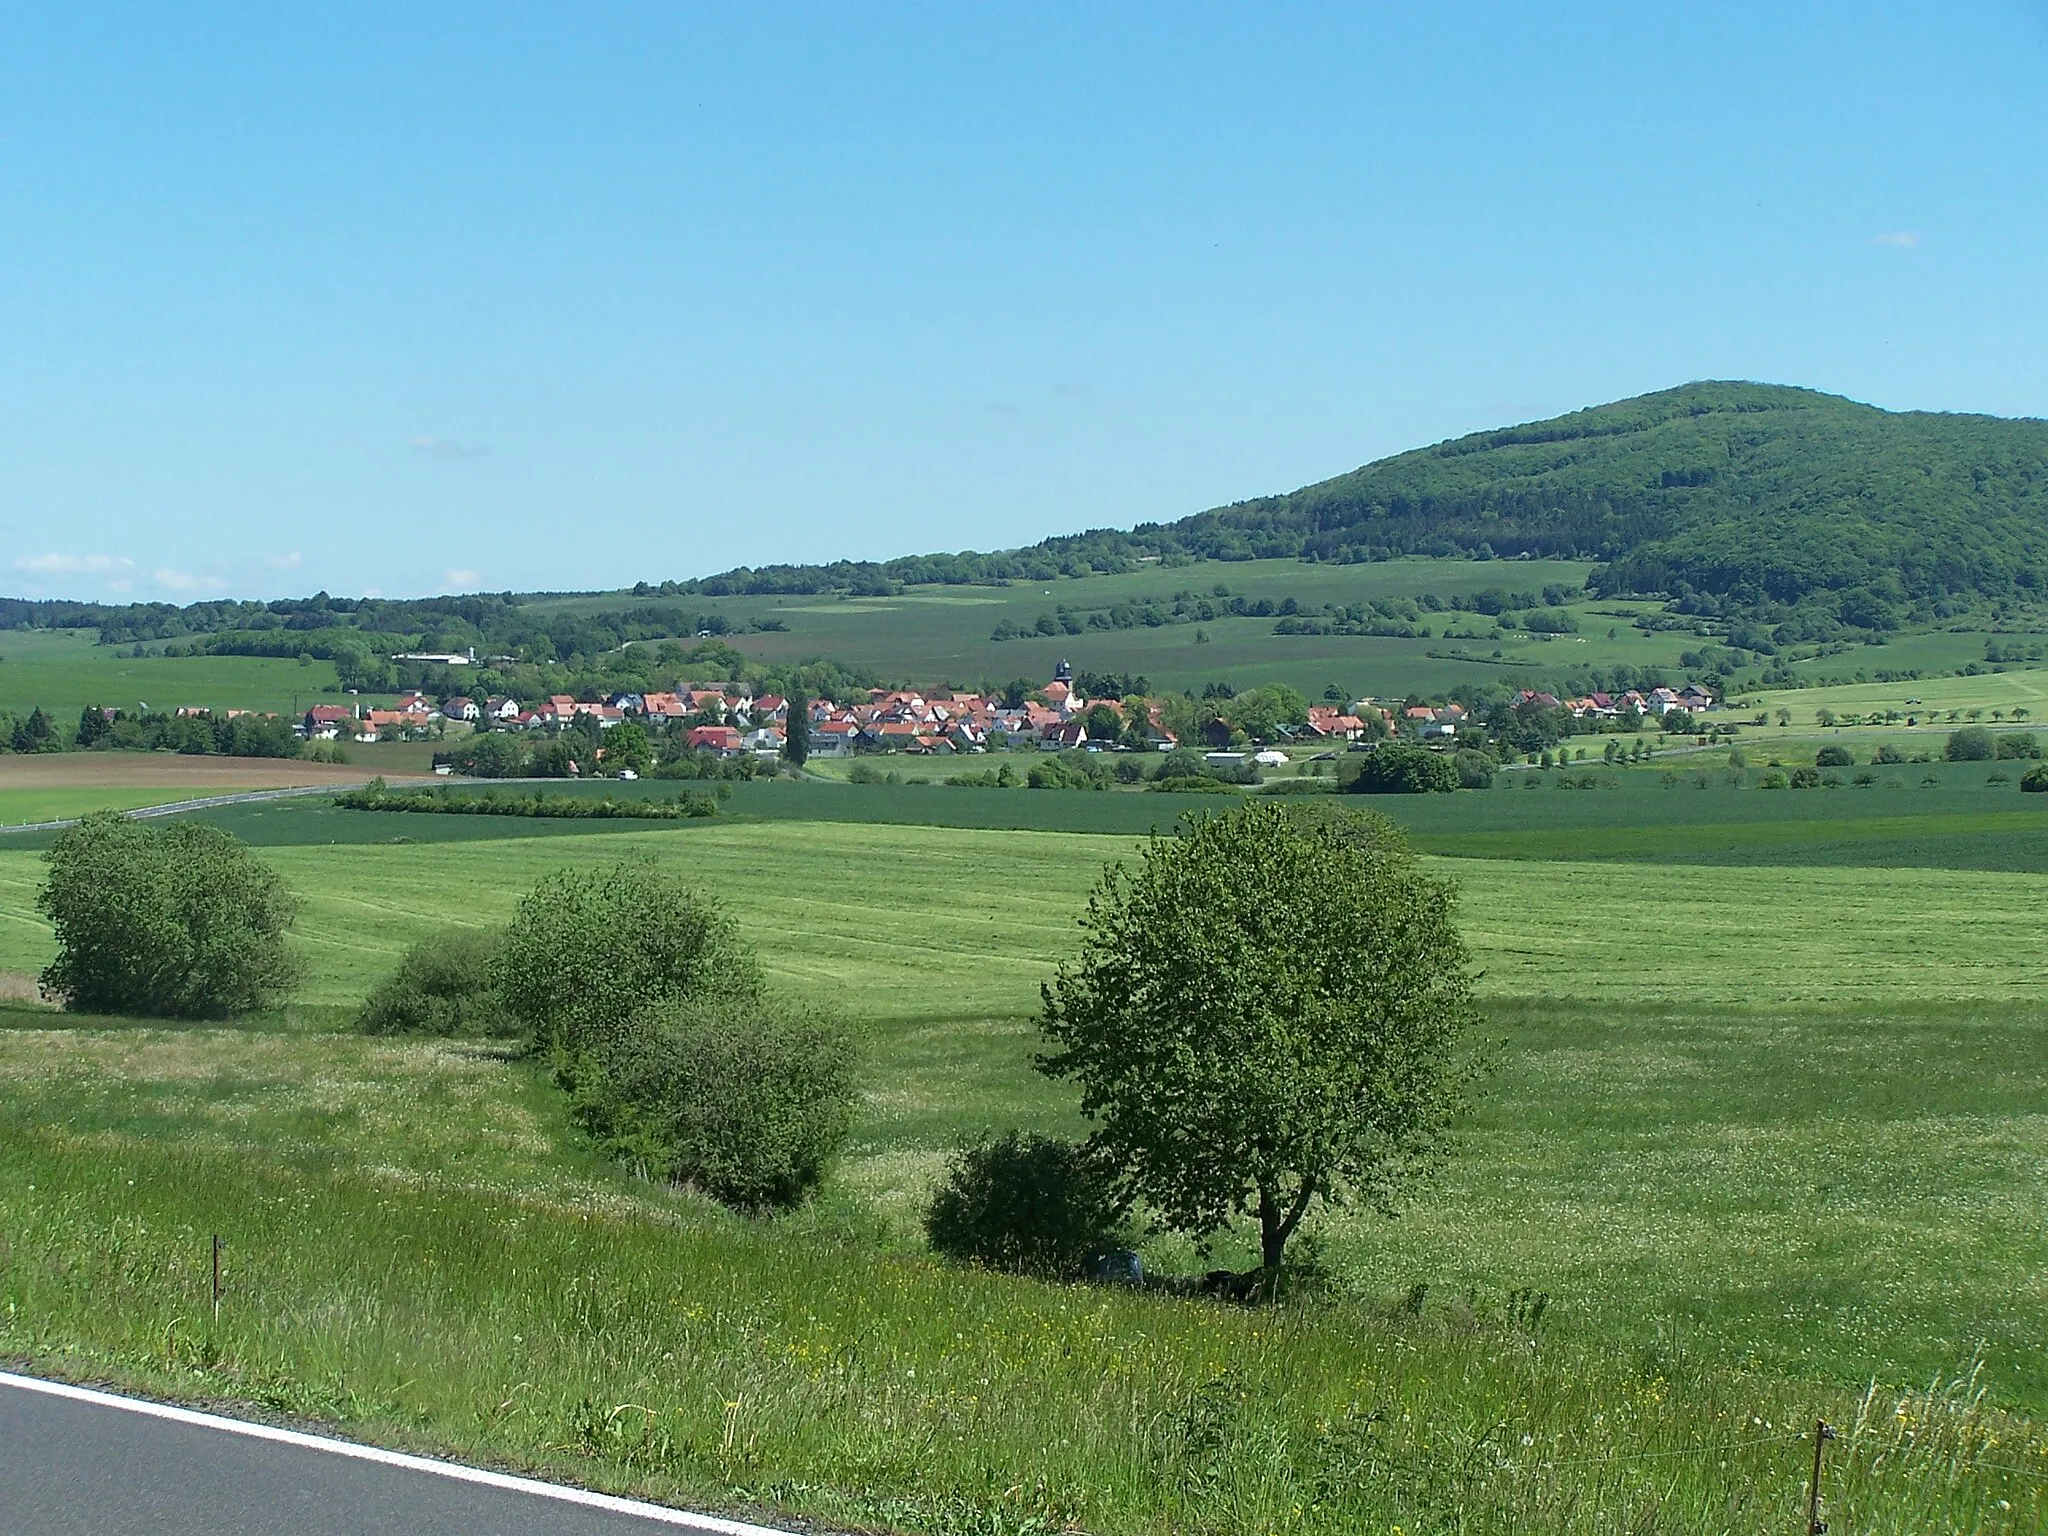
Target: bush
x=445, y=986
x=2018, y=744
x=174, y=921
x=1069, y=770
x=1833, y=757
x=1197, y=784
x=1401, y=769
x=1475, y=769
x=1888, y=756
x=2035, y=780
x=590, y=948
x=1806, y=778
x=742, y=1097
x=1972, y=744
x=1027, y=1203
x=1773, y=779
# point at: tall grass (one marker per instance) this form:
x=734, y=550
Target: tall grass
x=687, y=1356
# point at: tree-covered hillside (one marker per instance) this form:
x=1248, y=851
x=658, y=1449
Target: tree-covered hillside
x=1752, y=491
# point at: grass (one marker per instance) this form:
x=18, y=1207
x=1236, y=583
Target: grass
x=1677, y=813
x=475, y=1286
x=1761, y=1136
x=64, y=670
x=19, y=807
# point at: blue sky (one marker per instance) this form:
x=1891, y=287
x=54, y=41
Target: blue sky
x=431, y=297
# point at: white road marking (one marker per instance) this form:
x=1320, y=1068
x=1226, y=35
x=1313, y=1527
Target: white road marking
x=454, y=1471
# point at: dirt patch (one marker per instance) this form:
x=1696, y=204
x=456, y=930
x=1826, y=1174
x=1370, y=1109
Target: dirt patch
x=180, y=776
x=19, y=987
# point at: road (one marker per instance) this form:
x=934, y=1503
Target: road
x=80, y=1463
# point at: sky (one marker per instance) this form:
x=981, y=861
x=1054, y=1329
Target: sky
x=426, y=298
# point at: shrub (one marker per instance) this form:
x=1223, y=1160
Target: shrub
x=1068, y=770
x=1401, y=769
x=1888, y=756
x=1972, y=744
x=1773, y=779
x=743, y=1097
x=1833, y=757
x=1475, y=769
x=1027, y=1203
x=2035, y=780
x=1805, y=778
x=2019, y=744
x=590, y=948
x=174, y=921
x=446, y=985
x=1199, y=784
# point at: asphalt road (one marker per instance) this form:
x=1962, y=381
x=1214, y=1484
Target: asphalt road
x=88, y=1464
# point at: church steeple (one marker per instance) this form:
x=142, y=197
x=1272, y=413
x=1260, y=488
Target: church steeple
x=1063, y=673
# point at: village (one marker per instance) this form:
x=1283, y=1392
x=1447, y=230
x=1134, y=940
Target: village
x=730, y=721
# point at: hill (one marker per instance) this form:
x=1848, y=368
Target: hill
x=1755, y=492
x=1755, y=495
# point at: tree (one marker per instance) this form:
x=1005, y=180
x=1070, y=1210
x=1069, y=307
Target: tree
x=176, y=921
x=1401, y=768
x=796, y=731
x=1972, y=744
x=1260, y=712
x=1264, y=1015
x=93, y=725
x=1103, y=722
x=626, y=746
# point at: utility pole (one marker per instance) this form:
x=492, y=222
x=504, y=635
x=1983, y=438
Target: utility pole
x=216, y=1278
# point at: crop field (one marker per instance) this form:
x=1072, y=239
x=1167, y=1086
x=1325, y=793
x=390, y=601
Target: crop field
x=2017, y=687
x=64, y=670
x=1762, y=1133
x=1923, y=815
x=931, y=635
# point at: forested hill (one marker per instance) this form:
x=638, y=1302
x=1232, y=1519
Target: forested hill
x=1724, y=496
x=1754, y=494
x=1749, y=490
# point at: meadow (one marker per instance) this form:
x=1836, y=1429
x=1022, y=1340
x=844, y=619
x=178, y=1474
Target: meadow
x=64, y=670
x=1765, y=1137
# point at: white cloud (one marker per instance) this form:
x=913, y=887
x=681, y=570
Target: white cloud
x=290, y=561
x=72, y=565
x=1904, y=237
x=444, y=448
x=173, y=580
x=464, y=580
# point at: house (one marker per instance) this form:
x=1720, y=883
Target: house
x=663, y=707
x=834, y=738
x=1064, y=737
x=324, y=722
x=763, y=741
x=502, y=709
x=1326, y=721
x=457, y=707
x=722, y=739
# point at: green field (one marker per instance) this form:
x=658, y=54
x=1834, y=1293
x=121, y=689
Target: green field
x=932, y=635
x=22, y=806
x=1688, y=813
x=64, y=670
x=1765, y=1129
